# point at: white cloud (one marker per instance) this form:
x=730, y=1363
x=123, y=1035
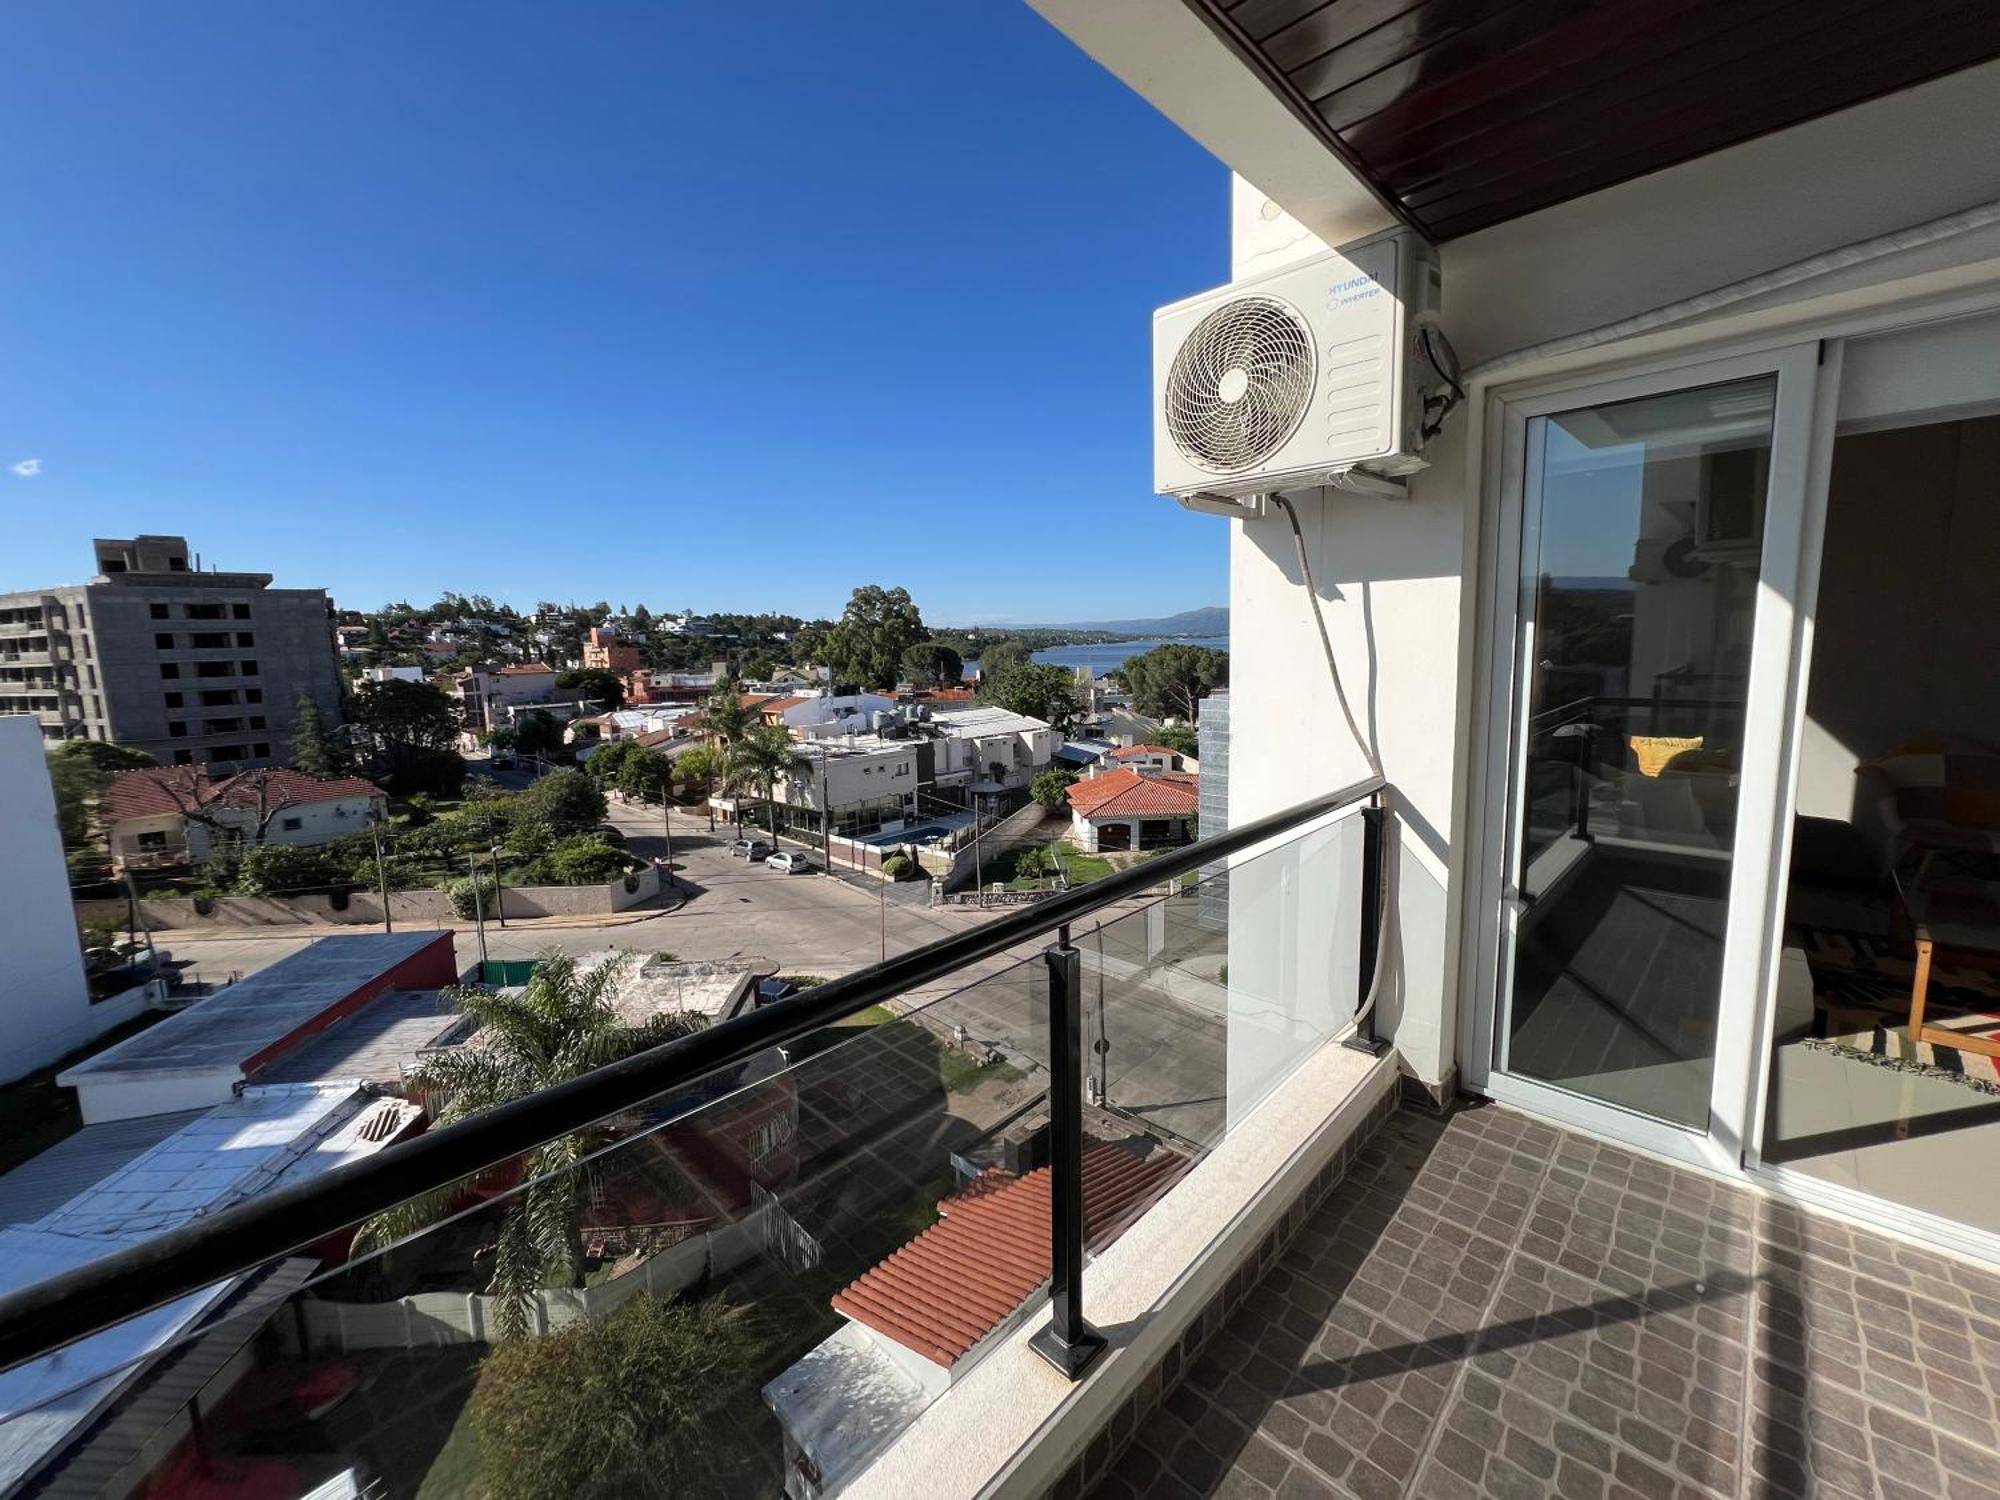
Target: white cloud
x=27, y=468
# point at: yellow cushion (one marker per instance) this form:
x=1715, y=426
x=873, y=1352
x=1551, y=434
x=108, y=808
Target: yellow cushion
x=1653, y=751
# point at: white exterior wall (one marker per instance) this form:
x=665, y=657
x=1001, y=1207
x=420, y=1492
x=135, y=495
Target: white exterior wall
x=45, y=1008
x=113, y=1097
x=319, y=822
x=1401, y=582
x=818, y=711
x=860, y=777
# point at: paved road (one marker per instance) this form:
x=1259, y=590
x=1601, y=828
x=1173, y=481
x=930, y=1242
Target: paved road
x=1166, y=1058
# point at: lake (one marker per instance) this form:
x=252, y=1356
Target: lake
x=1112, y=654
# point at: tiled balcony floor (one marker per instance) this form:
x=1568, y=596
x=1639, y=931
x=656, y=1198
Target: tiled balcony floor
x=1487, y=1305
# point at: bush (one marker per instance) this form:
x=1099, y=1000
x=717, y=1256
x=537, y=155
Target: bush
x=463, y=900
x=585, y=860
x=646, y=1402
x=1033, y=862
x=566, y=802
x=899, y=867
x=285, y=869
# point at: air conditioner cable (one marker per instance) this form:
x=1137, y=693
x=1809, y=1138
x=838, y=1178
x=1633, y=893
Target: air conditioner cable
x=1367, y=1006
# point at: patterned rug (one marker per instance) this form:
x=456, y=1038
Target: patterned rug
x=1861, y=1007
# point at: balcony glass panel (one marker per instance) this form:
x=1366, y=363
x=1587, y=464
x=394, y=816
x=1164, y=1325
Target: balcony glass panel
x=743, y=1287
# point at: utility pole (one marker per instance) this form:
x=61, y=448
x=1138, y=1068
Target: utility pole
x=667, y=819
x=381, y=875
x=499, y=896
x=478, y=911
x=825, y=814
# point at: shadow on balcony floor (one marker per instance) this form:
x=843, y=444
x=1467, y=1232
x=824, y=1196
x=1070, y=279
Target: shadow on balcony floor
x=1487, y=1305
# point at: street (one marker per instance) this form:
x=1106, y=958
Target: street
x=1165, y=1060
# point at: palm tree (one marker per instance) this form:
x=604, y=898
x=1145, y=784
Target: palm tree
x=758, y=759
x=561, y=1024
x=724, y=714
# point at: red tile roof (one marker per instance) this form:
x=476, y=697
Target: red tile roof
x=779, y=705
x=528, y=669
x=145, y=793
x=1132, y=751
x=957, y=1281
x=1129, y=793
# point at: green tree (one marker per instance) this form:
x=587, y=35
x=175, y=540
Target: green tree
x=641, y=1402
x=757, y=762
x=866, y=648
x=1170, y=681
x=1002, y=657
x=559, y=1026
x=606, y=760
x=538, y=734
x=808, y=643
x=759, y=667
x=598, y=684
x=644, y=774
x=564, y=802
x=79, y=770
x=1051, y=788
x=1179, y=738
x=1038, y=689
x=698, y=772
x=933, y=664
x=316, y=750
x=397, y=722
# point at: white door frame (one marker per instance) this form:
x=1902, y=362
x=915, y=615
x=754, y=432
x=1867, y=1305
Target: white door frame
x=1748, y=956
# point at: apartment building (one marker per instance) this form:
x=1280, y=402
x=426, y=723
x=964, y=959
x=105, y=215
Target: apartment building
x=196, y=667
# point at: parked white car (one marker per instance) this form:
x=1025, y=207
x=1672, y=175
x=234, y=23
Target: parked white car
x=789, y=863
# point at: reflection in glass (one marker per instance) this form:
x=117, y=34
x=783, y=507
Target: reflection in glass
x=1642, y=533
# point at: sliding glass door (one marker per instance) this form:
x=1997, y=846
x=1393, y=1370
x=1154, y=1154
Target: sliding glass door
x=1645, y=564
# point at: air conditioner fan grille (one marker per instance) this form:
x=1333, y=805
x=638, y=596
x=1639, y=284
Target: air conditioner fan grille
x=1239, y=384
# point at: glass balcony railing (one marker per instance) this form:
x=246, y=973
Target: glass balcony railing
x=737, y=1264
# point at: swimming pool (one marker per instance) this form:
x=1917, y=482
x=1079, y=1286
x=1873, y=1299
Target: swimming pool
x=923, y=833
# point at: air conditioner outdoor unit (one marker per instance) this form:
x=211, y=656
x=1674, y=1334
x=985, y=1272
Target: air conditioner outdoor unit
x=1290, y=379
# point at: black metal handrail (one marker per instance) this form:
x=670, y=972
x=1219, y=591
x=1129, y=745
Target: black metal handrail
x=38, y=1319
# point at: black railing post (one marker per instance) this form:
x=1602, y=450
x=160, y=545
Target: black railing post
x=1372, y=818
x=1068, y=1343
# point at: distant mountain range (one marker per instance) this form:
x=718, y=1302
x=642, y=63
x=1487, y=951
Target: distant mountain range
x=1211, y=621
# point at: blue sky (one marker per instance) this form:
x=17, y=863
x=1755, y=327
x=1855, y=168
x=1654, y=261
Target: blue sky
x=623, y=301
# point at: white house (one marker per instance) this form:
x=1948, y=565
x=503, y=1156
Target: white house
x=483, y=697
x=1676, y=638
x=147, y=824
x=45, y=1006
x=991, y=749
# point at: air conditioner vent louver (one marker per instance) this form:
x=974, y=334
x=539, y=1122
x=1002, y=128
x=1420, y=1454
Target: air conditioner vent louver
x=1240, y=384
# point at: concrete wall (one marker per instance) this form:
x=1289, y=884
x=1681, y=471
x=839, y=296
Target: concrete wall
x=45, y=1008
x=291, y=647
x=426, y=908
